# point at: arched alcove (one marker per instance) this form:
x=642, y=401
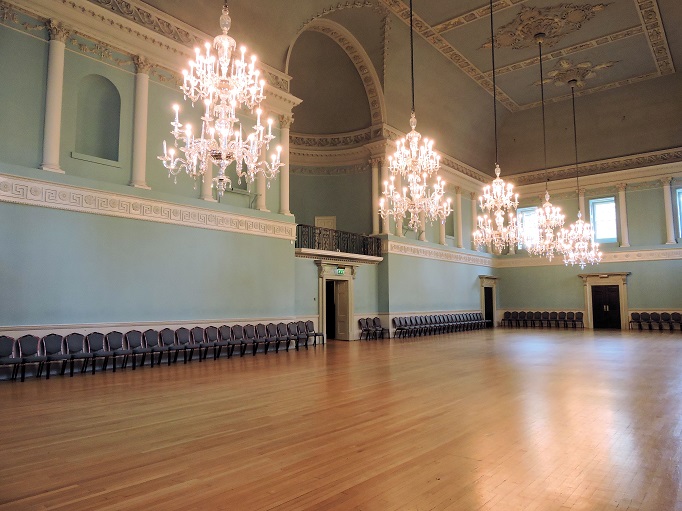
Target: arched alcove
x=98, y=118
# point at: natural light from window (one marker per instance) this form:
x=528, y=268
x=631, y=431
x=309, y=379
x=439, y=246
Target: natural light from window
x=603, y=220
x=527, y=219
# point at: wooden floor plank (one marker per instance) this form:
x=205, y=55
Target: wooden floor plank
x=491, y=420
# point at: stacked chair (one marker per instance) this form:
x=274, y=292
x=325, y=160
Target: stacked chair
x=413, y=326
x=544, y=319
x=97, y=350
x=671, y=321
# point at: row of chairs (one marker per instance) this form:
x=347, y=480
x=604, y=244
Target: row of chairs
x=655, y=319
x=408, y=326
x=371, y=328
x=89, y=349
x=543, y=319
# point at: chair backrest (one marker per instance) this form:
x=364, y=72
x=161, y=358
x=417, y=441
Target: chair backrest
x=182, y=336
x=537, y=315
x=634, y=316
x=166, y=337
x=300, y=325
x=507, y=315
x=515, y=315
x=197, y=333
x=134, y=339
x=377, y=322
x=272, y=330
x=656, y=317
x=645, y=316
x=238, y=333
x=225, y=332
x=53, y=344
x=151, y=338
x=96, y=341
x=114, y=340
x=562, y=315
x=522, y=315
x=211, y=333
x=261, y=331
x=579, y=316
x=570, y=316
x=553, y=315
x=75, y=343
x=310, y=327
x=282, y=330
x=29, y=345
x=292, y=329
x=7, y=346
x=665, y=316
x=362, y=323
x=249, y=332
x=545, y=315
x=676, y=317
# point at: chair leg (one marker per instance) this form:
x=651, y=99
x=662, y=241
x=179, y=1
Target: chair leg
x=71, y=368
x=94, y=364
x=47, y=370
x=23, y=371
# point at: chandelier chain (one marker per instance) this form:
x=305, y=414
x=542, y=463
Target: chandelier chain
x=492, y=50
x=412, y=55
x=542, y=96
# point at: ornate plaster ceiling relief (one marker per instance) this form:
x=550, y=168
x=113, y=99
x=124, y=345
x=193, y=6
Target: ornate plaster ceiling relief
x=651, y=19
x=566, y=70
x=474, y=15
x=555, y=22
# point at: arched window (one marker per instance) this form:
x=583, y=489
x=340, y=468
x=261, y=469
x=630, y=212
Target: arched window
x=98, y=118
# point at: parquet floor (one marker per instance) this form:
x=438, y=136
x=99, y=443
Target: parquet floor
x=493, y=420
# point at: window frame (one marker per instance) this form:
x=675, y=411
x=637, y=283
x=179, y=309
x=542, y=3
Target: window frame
x=603, y=200
x=520, y=214
x=678, y=205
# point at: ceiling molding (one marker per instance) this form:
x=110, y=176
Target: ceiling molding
x=621, y=256
x=360, y=168
x=475, y=15
x=650, y=15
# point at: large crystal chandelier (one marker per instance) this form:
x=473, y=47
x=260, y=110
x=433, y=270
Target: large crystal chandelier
x=414, y=161
x=497, y=228
x=547, y=240
x=578, y=240
x=225, y=83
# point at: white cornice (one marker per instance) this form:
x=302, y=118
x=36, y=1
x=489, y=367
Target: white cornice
x=670, y=254
x=33, y=192
x=451, y=256
x=332, y=257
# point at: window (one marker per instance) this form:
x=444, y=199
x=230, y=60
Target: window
x=679, y=212
x=603, y=220
x=527, y=219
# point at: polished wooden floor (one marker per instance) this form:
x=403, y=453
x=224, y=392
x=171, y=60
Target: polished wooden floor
x=493, y=420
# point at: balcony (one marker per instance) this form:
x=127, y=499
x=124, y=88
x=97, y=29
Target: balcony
x=325, y=243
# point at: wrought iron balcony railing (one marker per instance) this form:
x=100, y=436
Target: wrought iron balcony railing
x=320, y=238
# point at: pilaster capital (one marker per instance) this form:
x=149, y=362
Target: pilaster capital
x=142, y=64
x=581, y=192
x=57, y=30
x=473, y=196
x=376, y=162
x=458, y=190
x=666, y=181
x=285, y=121
x=621, y=187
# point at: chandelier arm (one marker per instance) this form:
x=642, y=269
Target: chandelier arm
x=492, y=51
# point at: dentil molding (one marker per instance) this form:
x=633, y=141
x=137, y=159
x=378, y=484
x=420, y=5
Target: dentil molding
x=33, y=192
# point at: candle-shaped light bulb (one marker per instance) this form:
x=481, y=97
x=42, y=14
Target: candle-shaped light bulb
x=258, y=113
x=270, y=128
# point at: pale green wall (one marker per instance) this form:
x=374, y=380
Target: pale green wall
x=23, y=107
x=306, y=287
x=66, y=267
x=646, y=217
x=366, y=289
x=346, y=196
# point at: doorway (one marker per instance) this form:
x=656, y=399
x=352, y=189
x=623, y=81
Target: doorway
x=488, y=312
x=330, y=310
x=606, y=307
x=335, y=294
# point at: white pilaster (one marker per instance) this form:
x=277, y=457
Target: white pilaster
x=623, y=215
x=422, y=226
x=261, y=190
x=399, y=224
x=474, y=219
x=441, y=233
x=53, y=96
x=385, y=222
x=458, y=222
x=141, y=107
x=375, y=195
x=285, y=122
x=667, y=201
x=581, y=203
x=207, y=185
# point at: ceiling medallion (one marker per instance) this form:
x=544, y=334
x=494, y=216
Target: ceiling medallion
x=555, y=22
x=566, y=70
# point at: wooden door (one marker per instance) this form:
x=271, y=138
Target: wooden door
x=330, y=310
x=488, y=303
x=342, y=301
x=606, y=307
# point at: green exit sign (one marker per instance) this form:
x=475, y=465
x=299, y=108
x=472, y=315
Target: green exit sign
x=340, y=271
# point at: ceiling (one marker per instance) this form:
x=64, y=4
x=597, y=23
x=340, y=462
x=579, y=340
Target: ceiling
x=608, y=45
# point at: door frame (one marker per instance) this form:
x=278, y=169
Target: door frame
x=329, y=271
x=489, y=281
x=606, y=279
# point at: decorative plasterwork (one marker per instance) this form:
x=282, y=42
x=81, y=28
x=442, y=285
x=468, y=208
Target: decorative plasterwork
x=555, y=22
x=359, y=58
x=32, y=192
x=339, y=258
x=474, y=15
x=393, y=247
x=602, y=166
x=566, y=70
x=586, y=45
x=330, y=171
x=350, y=139
x=422, y=28
x=357, y=4
x=607, y=257
x=651, y=19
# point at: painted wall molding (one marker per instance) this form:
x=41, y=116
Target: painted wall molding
x=32, y=192
x=451, y=256
x=670, y=254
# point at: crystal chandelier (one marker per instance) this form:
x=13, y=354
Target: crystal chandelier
x=547, y=241
x=578, y=240
x=499, y=200
x=225, y=83
x=415, y=163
